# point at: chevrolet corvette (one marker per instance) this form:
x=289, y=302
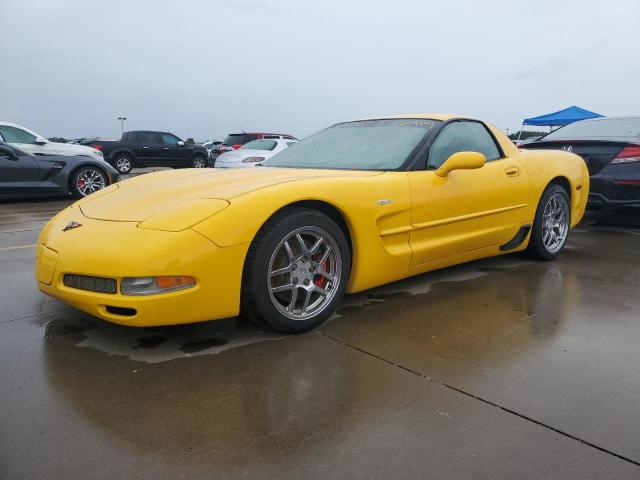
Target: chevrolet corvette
x=354, y=206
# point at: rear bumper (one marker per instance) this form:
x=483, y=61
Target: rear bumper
x=598, y=201
x=615, y=186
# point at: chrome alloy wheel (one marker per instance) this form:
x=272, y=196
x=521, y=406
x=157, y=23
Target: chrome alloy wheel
x=304, y=273
x=123, y=164
x=90, y=181
x=199, y=162
x=555, y=222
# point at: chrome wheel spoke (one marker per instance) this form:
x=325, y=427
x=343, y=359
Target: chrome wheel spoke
x=305, y=303
x=303, y=245
x=287, y=248
x=281, y=271
x=314, y=249
x=283, y=288
x=320, y=290
x=324, y=257
x=293, y=300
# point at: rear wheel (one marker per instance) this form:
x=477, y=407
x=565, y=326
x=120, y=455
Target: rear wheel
x=87, y=180
x=199, y=162
x=122, y=162
x=296, y=271
x=551, y=224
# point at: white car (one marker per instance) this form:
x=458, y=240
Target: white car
x=252, y=153
x=35, y=144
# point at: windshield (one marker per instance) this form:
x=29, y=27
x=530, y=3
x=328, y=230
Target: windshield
x=259, y=145
x=618, y=127
x=364, y=145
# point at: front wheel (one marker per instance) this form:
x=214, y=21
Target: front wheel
x=551, y=224
x=86, y=181
x=296, y=271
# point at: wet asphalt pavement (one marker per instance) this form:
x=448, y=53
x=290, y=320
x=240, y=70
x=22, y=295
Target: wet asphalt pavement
x=503, y=368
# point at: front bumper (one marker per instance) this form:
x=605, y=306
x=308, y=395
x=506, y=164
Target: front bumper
x=120, y=249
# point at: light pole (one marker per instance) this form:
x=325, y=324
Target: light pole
x=122, y=119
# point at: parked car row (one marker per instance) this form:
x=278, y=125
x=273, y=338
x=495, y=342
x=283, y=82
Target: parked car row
x=31, y=164
x=23, y=174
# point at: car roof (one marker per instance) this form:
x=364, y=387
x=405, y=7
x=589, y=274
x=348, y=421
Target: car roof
x=9, y=124
x=262, y=133
x=427, y=116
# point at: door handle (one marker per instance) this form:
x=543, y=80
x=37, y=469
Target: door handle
x=166, y=148
x=145, y=147
x=512, y=171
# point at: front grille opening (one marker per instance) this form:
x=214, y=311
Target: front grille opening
x=125, y=312
x=92, y=284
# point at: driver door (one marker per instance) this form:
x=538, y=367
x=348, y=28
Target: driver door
x=18, y=174
x=467, y=209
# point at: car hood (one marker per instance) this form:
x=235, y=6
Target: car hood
x=70, y=149
x=141, y=197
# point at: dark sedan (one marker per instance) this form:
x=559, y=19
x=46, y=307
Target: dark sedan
x=26, y=175
x=611, y=149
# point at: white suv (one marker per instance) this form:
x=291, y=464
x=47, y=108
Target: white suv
x=36, y=144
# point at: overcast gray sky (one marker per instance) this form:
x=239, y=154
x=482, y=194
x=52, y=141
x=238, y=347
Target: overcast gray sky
x=206, y=68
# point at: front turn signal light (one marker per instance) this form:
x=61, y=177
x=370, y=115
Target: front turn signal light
x=155, y=285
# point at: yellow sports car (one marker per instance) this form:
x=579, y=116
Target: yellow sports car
x=354, y=206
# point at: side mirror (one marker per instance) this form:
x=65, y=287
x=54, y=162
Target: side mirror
x=461, y=161
x=181, y=143
x=8, y=153
x=41, y=141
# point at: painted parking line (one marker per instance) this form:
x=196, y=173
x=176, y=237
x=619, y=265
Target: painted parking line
x=17, y=247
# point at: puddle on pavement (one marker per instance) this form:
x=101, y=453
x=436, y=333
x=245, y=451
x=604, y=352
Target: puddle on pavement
x=161, y=344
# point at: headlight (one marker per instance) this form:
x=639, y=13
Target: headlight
x=155, y=285
x=252, y=159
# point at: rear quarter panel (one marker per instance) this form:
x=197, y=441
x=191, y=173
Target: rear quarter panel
x=545, y=166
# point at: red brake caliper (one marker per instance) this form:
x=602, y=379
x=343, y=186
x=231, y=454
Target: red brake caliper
x=321, y=281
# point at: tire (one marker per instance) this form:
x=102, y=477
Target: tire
x=199, y=162
x=311, y=280
x=550, y=225
x=87, y=180
x=123, y=163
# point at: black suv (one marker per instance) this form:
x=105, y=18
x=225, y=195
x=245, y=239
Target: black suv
x=151, y=149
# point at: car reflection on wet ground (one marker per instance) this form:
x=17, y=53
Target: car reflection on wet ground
x=503, y=368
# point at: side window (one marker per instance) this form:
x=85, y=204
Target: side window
x=149, y=138
x=16, y=135
x=462, y=137
x=169, y=139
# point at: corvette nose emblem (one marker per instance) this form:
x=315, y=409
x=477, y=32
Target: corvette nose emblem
x=567, y=148
x=71, y=225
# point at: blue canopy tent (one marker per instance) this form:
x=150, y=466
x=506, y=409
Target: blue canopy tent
x=560, y=118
